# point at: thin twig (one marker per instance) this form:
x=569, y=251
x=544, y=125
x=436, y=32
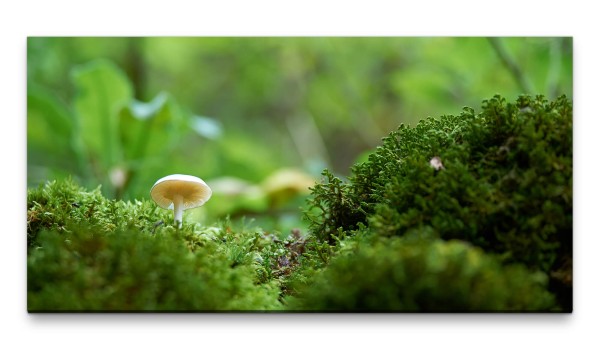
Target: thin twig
x=511, y=65
x=554, y=67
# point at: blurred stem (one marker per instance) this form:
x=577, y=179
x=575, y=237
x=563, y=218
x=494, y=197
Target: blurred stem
x=136, y=66
x=553, y=80
x=139, y=152
x=307, y=139
x=511, y=64
x=81, y=156
x=109, y=157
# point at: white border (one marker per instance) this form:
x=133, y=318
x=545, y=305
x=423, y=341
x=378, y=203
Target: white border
x=19, y=19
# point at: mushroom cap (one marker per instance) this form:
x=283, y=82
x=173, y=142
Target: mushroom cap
x=193, y=190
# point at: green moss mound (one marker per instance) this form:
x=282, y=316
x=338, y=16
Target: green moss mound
x=130, y=271
x=88, y=253
x=500, y=179
x=407, y=276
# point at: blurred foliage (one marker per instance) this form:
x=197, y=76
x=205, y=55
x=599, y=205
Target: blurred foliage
x=124, y=112
x=505, y=184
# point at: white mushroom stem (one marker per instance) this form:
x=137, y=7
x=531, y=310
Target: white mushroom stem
x=178, y=210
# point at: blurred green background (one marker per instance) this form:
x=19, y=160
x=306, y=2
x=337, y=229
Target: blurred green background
x=256, y=118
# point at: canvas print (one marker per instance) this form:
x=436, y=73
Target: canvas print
x=300, y=174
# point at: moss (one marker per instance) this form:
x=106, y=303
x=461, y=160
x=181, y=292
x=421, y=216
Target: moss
x=133, y=271
x=407, y=276
x=88, y=253
x=61, y=205
x=505, y=185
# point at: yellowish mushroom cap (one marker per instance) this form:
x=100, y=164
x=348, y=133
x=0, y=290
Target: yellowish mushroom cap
x=195, y=191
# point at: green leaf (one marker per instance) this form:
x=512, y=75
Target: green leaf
x=102, y=91
x=150, y=130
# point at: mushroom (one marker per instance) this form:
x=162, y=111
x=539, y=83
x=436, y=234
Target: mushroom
x=179, y=193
